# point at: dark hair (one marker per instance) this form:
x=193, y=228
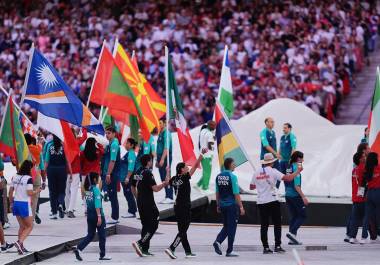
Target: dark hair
x=356, y=158
x=145, y=159
x=228, y=162
x=132, y=142
x=154, y=131
x=370, y=164
x=295, y=156
x=28, y=138
x=91, y=179
x=26, y=168
x=56, y=142
x=266, y=119
x=163, y=119
x=362, y=147
x=90, y=149
x=288, y=124
x=34, y=141
x=179, y=167
x=111, y=128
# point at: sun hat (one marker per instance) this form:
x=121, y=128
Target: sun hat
x=268, y=159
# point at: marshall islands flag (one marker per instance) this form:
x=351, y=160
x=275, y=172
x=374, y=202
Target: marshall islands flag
x=45, y=90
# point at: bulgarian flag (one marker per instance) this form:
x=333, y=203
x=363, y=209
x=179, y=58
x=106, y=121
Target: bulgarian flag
x=225, y=94
x=175, y=111
x=12, y=141
x=374, y=118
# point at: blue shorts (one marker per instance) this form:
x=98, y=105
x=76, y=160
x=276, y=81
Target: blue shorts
x=22, y=209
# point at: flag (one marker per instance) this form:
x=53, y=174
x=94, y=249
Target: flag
x=62, y=130
x=374, y=118
x=227, y=141
x=176, y=112
x=28, y=127
x=225, y=94
x=12, y=141
x=151, y=105
x=111, y=89
x=45, y=90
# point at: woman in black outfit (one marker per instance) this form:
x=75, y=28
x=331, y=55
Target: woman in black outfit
x=182, y=206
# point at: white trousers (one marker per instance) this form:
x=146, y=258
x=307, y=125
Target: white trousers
x=72, y=187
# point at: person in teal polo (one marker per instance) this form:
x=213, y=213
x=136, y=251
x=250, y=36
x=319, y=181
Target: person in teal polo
x=288, y=144
x=111, y=171
x=229, y=203
x=146, y=148
x=163, y=150
x=269, y=143
x=127, y=169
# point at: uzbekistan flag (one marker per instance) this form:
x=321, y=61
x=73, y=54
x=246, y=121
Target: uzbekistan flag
x=227, y=141
x=374, y=121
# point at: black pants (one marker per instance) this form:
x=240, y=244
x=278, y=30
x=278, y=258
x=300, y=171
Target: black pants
x=270, y=210
x=149, y=222
x=112, y=194
x=92, y=226
x=183, y=216
x=57, y=177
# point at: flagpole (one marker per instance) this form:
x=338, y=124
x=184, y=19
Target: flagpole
x=96, y=71
x=31, y=53
x=13, y=129
x=167, y=103
x=3, y=119
x=234, y=133
x=17, y=106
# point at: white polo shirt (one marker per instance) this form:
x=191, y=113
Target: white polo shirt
x=265, y=180
x=206, y=136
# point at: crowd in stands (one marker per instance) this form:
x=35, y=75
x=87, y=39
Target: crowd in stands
x=309, y=51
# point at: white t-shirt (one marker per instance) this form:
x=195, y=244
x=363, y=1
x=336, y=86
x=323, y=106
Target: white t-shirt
x=265, y=180
x=206, y=137
x=21, y=185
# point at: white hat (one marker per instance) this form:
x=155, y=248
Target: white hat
x=268, y=159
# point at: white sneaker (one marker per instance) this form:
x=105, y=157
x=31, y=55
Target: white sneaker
x=168, y=201
x=6, y=225
x=364, y=241
x=128, y=215
x=54, y=217
x=112, y=222
x=375, y=241
x=354, y=241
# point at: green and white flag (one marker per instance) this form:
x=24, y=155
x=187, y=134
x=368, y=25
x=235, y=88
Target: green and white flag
x=225, y=94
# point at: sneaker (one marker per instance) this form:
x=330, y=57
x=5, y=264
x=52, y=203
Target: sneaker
x=128, y=215
x=6, y=247
x=291, y=243
x=6, y=225
x=137, y=248
x=77, y=253
x=353, y=241
x=70, y=214
x=232, y=254
x=364, y=241
x=170, y=253
x=37, y=219
x=112, y=222
x=105, y=258
x=217, y=248
x=374, y=241
x=167, y=201
x=147, y=254
x=279, y=249
x=267, y=251
x=19, y=248
x=61, y=212
x=293, y=238
x=190, y=255
x=106, y=197
x=24, y=249
x=347, y=239
x=53, y=217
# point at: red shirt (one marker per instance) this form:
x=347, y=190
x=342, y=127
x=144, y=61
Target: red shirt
x=375, y=181
x=91, y=166
x=357, y=181
x=75, y=165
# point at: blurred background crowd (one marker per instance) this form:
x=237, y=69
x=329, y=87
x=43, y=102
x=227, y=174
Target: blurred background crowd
x=309, y=51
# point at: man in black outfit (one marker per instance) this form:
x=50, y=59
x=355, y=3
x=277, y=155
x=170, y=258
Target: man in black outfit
x=144, y=185
x=182, y=206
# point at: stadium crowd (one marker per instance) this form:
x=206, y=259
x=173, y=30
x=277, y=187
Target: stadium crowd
x=306, y=50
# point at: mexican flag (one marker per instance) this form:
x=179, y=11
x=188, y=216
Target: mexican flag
x=12, y=141
x=374, y=118
x=225, y=94
x=175, y=112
